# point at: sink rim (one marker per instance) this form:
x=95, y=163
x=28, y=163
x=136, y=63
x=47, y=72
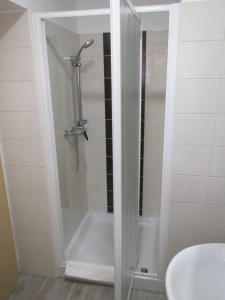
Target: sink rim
x=170, y=268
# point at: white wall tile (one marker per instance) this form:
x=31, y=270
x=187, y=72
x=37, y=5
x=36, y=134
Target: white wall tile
x=214, y=236
x=218, y=162
x=156, y=65
x=97, y=200
x=153, y=148
x=200, y=59
x=95, y=108
x=30, y=202
x=189, y=160
x=155, y=87
x=22, y=153
x=220, y=130
x=93, y=95
x=154, y=129
x=38, y=266
x=35, y=247
x=16, y=64
x=194, y=129
x=26, y=178
x=92, y=67
x=151, y=206
x=195, y=23
x=157, y=42
x=216, y=191
x=151, y=196
x=95, y=146
x=21, y=146
x=200, y=90
x=20, y=125
x=223, y=62
x=151, y=186
x=215, y=218
x=153, y=166
x=92, y=88
x=155, y=108
x=96, y=48
x=38, y=225
x=96, y=163
x=18, y=96
x=96, y=128
x=96, y=181
x=221, y=105
x=14, y=31
x=197, y=95
x=181, y=238
x=190, y=189
x=186, y=215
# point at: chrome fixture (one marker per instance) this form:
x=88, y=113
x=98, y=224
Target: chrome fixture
x=78, y=129
x=74, y=131
x=76, y=63
x=86, y=44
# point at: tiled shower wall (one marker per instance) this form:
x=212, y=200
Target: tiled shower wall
x=92, y=83
x=153, y=122
x=154, y=62
x=71, y=158
x=197, y=204
x=22, y=149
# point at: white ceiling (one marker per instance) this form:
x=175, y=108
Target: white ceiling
x=6, y=5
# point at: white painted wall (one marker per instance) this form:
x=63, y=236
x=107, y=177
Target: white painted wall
x=86, y=25
x=197, y=201
x=156, y=21
x=43, y=5
x=8, y=6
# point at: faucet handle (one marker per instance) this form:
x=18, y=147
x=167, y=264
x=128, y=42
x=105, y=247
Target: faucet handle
x=85, y=135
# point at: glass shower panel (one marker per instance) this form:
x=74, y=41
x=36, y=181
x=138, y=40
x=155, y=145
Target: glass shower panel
x=129, y=41
x=62, y=42
x=131, y=35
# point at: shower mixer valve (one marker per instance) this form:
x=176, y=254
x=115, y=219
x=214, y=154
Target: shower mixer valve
x=79, y=129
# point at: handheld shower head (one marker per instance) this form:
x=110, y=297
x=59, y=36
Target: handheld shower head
x=84, y=46
x=88, y=43
x=76, y=59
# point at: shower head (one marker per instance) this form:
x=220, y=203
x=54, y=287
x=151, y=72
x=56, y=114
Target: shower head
x=88, y=43
x=84, y=46
x=75, y=59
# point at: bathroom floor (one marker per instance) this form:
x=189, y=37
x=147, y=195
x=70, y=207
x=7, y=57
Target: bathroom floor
x=40, y=288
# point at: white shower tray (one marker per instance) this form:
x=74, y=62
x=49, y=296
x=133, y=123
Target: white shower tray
x=90, y=253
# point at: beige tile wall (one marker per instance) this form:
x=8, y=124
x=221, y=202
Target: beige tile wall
x=197, y=207
x=21, y=147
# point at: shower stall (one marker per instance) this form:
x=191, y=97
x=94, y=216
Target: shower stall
x=107, y=106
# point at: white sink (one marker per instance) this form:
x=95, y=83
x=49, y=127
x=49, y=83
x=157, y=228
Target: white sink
x=197, y=273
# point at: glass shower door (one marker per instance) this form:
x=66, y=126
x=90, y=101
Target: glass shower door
x=126, y=37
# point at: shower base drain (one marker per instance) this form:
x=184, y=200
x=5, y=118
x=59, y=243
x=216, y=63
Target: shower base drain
x=144, y=270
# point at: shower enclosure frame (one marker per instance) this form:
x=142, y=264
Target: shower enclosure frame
x=141, y=281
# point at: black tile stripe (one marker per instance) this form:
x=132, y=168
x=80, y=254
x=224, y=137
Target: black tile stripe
x=108, y=119
x=142, y=120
